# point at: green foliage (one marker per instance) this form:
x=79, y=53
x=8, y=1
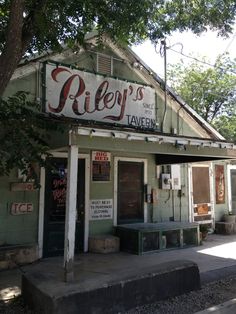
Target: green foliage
x=30, y=26
x=56, y=22
x=211, y=92
x=226, y=125
x=24, y=133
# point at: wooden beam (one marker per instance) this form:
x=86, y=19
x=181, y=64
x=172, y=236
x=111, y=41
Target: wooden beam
x=71, y=197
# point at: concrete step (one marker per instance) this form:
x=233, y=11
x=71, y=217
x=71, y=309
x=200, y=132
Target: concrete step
x=47, y=293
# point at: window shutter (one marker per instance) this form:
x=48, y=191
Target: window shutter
x=104, y=64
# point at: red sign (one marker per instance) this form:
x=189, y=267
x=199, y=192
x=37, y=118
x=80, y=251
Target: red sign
x=101, y=166
x=21, y=208
x=101, y=156
x=22, y=186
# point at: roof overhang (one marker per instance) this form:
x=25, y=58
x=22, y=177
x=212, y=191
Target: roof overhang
x=168, y=149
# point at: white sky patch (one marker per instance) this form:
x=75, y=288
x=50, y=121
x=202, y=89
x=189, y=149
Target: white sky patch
x=208, y=45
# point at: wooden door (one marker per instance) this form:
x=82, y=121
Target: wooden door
x=55, y=207
x=130, y=198
x=201, y=194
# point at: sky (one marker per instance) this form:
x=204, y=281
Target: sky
x=208, y=44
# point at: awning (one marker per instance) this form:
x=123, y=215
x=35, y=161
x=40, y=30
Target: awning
x=169, y=149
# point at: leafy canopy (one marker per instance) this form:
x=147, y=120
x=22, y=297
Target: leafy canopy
x=51, y=22
x=37, y=25
x=211, y=92
x=29, y=26
x=24, y=133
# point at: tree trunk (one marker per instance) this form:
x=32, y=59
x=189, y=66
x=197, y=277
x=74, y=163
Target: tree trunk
x=12, y=52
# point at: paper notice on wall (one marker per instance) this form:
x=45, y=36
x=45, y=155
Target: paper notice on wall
x=101, y=209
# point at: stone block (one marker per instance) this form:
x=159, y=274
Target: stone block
x=104, y=244
x=225, y=228
x=14, y=256
x=4, y=265
x=229, y=218
x=26, y=255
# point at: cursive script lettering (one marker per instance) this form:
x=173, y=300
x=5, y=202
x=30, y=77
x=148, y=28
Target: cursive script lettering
x=74, y=91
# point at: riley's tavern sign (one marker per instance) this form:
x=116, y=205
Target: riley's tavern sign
x=85, y=96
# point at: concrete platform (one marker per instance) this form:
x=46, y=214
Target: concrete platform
x=106, y=293
x=216, y=259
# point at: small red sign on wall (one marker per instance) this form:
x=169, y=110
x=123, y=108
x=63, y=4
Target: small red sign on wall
x=101, y=166
x=22, y=186
x=219, y=184
x=21, y=208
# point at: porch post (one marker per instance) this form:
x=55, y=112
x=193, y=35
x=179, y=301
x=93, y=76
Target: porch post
x=71, y=196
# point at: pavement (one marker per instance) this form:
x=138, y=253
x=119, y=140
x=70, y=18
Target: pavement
x=216, y=259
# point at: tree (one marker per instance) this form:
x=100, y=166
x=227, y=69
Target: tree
x=210, y=91
x=28, y=26
x=24, y=134
x=226, y=125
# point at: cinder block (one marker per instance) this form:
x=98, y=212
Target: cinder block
x=4, y=265
x=104, y=244
x=26, y=255
x=17, y=255
x=229, y=218
x=225, y=228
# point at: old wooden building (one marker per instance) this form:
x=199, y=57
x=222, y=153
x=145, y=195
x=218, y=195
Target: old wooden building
x=132, y=152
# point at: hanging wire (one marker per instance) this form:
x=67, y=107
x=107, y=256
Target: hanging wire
x=200, y=61
x=230, y=43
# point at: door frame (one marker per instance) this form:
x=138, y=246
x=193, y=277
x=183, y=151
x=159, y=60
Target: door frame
x=116, y=160
x=42, y=200
x=229, y=168
x=190, y=185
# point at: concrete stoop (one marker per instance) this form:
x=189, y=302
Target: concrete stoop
x=46, y=293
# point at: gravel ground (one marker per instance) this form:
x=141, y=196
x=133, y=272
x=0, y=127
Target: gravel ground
x=14, y=306
x=211, y=294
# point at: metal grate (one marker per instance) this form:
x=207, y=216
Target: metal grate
x=104, y=64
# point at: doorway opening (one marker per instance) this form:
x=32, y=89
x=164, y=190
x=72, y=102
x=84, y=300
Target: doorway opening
x=55, y=207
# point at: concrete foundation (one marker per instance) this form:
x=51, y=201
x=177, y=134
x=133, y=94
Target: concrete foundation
x=49, y=294
x=13, y=256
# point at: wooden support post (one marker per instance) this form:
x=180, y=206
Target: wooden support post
x=71, y=196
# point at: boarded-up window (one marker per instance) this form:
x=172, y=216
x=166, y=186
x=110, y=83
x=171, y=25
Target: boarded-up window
x=201, y=185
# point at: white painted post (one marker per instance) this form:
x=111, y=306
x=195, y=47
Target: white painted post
x=71, y=197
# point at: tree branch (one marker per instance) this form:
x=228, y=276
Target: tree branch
x=12, y=52
x=19, y=35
